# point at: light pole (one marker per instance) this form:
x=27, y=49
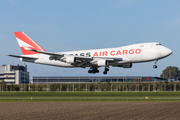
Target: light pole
x=170, y=73
x=79, y=83
x=29, y=80
x=29, y=85
x=47, y=82
x=24, y=76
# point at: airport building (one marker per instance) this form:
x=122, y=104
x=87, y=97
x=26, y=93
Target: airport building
x=45, y=80
x=14, y=74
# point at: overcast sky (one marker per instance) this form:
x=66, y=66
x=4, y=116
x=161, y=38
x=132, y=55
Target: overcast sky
x=65, y=25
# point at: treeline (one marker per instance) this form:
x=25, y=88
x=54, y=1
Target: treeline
x=154, y=86
x=170, y=72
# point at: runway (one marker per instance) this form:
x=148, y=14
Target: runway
x=90, y=110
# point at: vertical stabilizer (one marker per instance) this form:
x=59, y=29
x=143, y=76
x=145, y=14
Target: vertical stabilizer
x=26, y=42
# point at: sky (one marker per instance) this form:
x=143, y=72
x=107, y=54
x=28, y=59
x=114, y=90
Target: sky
x=66, y=25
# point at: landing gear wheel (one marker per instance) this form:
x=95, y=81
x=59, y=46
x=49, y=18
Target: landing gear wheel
x=105, y=72
x=89, y=71
x=155, y=66
x=93, y=70
x=106, y=69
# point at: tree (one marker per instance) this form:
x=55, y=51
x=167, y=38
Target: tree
x=3, y=84
x=170, y=72
x=16, y=88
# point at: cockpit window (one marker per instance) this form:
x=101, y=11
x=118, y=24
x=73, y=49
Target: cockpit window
x=158, y=44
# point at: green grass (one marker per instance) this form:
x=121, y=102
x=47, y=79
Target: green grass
x=87, y=96
x=90, y=93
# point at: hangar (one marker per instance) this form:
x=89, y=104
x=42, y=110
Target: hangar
x=87, y=79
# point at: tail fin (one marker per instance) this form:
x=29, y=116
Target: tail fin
x=26, y=42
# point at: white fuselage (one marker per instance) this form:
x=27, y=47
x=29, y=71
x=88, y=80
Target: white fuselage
x=142, y=52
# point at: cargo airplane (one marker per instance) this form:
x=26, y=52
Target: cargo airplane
x=116, y=57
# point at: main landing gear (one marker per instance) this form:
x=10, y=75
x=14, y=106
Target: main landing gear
x=105, y=70
x=155, y=66
x=93, y=70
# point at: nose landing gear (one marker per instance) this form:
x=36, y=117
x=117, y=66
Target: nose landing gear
x=155, y=66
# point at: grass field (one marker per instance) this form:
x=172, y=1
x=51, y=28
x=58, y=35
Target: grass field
x=88, y=96
x=90, y=93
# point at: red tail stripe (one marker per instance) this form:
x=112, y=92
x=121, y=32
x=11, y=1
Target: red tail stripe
x=26, y=39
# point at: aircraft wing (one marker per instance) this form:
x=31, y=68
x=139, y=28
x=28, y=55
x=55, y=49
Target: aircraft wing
x=84, y=58
x=47, y=53
x=82, y=61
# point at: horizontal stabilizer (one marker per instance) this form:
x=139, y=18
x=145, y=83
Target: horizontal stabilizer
x=22, y=57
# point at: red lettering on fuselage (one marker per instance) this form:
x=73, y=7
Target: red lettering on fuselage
x=125, y=52
x=100, y=54
x=118, y=52
x=131, y=51
x=113, y=52
x=104, y=53
x=138, y=51
x=95, y=54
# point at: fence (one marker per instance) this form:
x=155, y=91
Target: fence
x=96, y=87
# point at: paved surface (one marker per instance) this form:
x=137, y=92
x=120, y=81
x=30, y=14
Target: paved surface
x=90, y=110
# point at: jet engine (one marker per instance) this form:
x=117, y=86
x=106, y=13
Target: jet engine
x=71, y=59
x=128, y=65
x=102, y=63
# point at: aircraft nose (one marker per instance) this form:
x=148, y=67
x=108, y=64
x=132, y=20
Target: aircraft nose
x=167, y=51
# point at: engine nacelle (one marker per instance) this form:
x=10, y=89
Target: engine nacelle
x=128, y=65
x=102, y=63
x=71, y=59
x=52, y=58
